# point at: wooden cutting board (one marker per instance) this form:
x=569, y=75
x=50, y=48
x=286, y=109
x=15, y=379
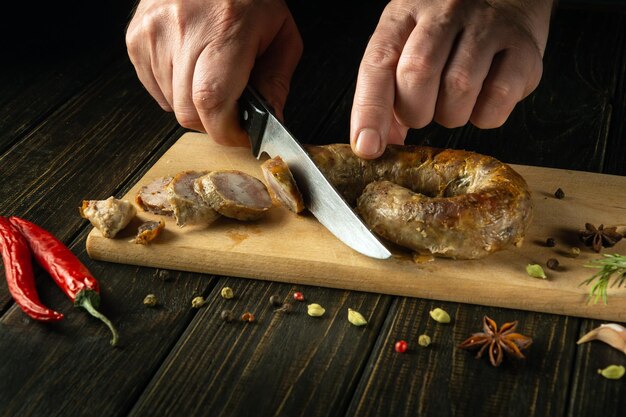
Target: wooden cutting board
x=297, y=249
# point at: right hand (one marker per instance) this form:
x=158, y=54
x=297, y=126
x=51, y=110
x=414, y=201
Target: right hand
x=195, y=58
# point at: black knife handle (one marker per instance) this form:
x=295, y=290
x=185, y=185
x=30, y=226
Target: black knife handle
x=253, y=115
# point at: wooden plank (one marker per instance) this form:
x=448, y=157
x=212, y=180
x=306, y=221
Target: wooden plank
x=591, y=394
x=298, y=249
x=69, y=368
x=72, y=155
x=285, y=364
x=443, y=380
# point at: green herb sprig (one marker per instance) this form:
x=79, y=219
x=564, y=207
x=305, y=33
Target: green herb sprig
x=610, y=267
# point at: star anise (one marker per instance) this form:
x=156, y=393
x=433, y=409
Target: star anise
x=600, y=237
x=497, y=341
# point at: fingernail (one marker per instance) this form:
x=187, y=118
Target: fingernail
x=368, y=142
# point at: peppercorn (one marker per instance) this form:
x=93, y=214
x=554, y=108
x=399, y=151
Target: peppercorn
x=247, y=317
x=559, y=194
x=550, y=242
x=401, y=346
x=275, y=301
x=150, y=300
x=423, y=340
x=164, y=275
x=227, y=316
x=575, y=252
x=298, y=296
x=552, y=263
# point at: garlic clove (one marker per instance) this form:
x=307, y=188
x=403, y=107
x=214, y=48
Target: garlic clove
x=612, y=334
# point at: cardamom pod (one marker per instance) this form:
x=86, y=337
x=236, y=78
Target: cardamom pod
x=356, y=318
x=612, y=372
x=535, y=271
x=423, y=340
x=440, y=316
x=315, y=310
x=227, y=293
x=197, y=302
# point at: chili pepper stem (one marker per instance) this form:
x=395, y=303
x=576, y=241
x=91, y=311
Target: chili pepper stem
x=90, y=300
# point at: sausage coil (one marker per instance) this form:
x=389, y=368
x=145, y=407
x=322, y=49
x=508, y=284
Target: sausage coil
x=450, y=203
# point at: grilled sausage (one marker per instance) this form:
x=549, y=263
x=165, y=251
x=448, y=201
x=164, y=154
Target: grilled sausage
x=109, y=216
x=152, y=197
x=234, y=194
x=281, y=184
x=450, y=203
x=189, y=208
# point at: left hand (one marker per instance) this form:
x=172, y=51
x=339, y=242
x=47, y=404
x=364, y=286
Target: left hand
x=448, y=61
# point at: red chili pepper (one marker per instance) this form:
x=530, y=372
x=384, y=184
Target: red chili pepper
x=70, y=274
x=19, y=273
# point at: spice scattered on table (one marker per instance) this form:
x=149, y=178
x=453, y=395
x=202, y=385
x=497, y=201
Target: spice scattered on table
x=227, y=293
x=559, y=193
x=164, y=275
x=575, y=252
x=276, y=301
x=423, y=340
x=19, y=273
x=401, y=346
x=227, y=316
x=612, y=334
x=197, y=302
x=440, y=315
x=550, y=242
x=150, y=300
x=356, y=318
x=66, y=270
x=610, y=267
x=600, y=237
x=247, y=317
x=612, y=372
x=298, y=296
x=315, y=310
x=285, y=308
x=497, y=341
x=535, y=271
x=553, y=264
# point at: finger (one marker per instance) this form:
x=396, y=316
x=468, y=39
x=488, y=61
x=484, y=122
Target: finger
x=139, y=55
x=182, y=87
x=420, y=67
x=220, y=76
x=462, y=80
x=513, y=75
x=273, y=70
x=372, y=108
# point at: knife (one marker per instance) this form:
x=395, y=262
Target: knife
x=268, y=135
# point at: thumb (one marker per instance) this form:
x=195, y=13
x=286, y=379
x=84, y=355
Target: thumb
x=372, y=115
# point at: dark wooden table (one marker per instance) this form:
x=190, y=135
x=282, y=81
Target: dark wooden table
x=75, y=123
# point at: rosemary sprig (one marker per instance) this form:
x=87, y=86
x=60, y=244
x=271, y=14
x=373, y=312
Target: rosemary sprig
x=608, y=266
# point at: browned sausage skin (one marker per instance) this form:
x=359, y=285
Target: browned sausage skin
x=451, y=203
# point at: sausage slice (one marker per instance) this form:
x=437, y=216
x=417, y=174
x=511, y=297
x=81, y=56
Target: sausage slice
x=281, y=184
x=234, y=194
x=188, y=206
x=152, y=197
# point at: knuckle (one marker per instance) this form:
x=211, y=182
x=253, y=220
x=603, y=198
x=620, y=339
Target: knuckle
x=416, y=70
x=500, y=93
x=458, y=82
x=209, y=97
x=381, y=56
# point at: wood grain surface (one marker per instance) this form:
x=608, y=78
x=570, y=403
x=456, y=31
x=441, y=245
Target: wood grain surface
x=297, y=249
x=82, y=128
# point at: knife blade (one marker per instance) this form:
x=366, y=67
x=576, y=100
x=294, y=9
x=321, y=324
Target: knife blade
x=268, y=135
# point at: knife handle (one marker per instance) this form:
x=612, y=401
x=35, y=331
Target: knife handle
x=253, y=115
